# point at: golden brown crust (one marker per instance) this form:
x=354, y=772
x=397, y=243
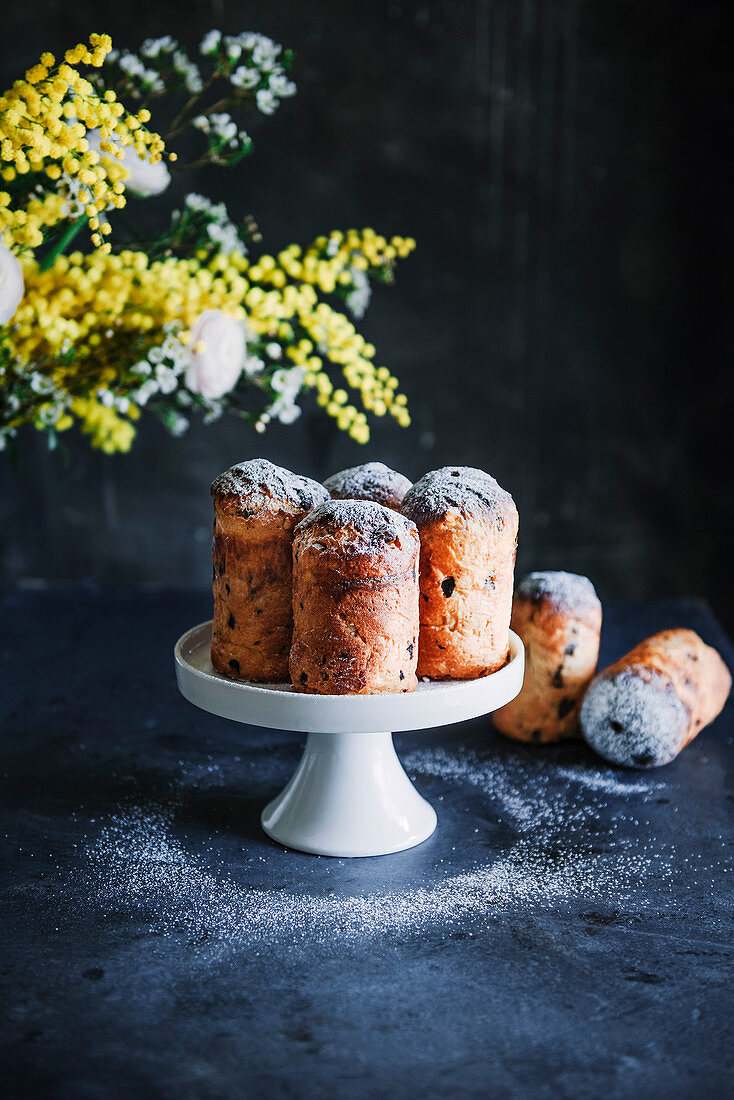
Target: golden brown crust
x=558, y=617
x=355, y=601
x=468, y=534
x=256, y=506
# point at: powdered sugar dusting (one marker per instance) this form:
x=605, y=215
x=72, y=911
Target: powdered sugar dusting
x=540, y=850
x=565, y=591
x=634, y=720
x=370, y=525
x=470, y=491
x=607, y=782
x=371, y=481
x=260, y=484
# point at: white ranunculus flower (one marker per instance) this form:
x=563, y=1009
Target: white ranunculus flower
x=11, y=284
x=145, y=179
x=214, y=368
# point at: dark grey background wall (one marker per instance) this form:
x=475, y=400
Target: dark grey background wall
x=564, y=322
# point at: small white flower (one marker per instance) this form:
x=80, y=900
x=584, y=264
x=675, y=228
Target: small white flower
x=201, y=122
x=48, y=415
x=220, y=229
x=197, y=202
x=266, y=101
x=234, y=50
x=224, y=126
x=287, y=384
x=209, y=44
x=40, y=383
x=281, y=381
x=154, y=47
x=69, y=188
x=280, y=85
x=274, y=350
x=11, y=284
x=288, y=413
x=178, y=426
x=217, y=351
x=244, y=77
x=225, y=236
x=186, y=68
x=166, y=379
x=106, y=398
x=143, y=394
x=253, y=365
x=214, y=411
x=359, y=298
x=132, y=65
x=265, y=54
x=145, y=179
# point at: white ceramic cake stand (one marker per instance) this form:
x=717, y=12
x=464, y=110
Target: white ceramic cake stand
x=349, y=796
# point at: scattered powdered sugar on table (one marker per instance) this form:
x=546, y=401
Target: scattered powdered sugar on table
x=607, y=782
x=548, y=854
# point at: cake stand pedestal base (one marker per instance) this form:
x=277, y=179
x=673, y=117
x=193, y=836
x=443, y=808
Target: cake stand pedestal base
x=349, y=796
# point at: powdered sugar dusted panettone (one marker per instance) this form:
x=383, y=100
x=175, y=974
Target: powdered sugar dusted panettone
x=468, y=532
x=256, y=505
x=564, y=591
x=465, y=489
x=558, y=617
x=355, y=600
x=634, y=721
x=641, y=711
x=259, y=485
x=370, y=481
x=361, y=526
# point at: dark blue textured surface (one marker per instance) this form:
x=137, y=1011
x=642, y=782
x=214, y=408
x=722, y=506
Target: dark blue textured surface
x=156, y=943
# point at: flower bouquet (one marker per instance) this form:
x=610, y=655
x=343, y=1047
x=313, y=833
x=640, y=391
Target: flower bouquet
x=197, y=319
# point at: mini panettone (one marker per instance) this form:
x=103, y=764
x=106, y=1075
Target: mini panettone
x=642, y=710
x=558, y=617
x=256, y=506
x=371, y=481
x=468, y=534
x=355, y=600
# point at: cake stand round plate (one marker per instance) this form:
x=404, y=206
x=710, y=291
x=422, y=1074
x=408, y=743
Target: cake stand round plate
x=349, y=795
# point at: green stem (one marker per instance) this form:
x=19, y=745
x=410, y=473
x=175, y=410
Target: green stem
x=62, y=243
